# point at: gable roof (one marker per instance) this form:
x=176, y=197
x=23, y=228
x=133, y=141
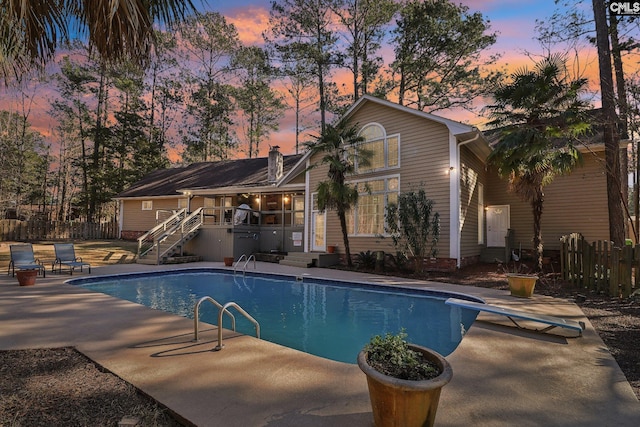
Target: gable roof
x=465, y=134
x=456, y=128
x=206, y=175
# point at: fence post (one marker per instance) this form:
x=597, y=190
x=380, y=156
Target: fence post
x=614, y=278
x=636, y=266
x=625, y=270
x=588, y=265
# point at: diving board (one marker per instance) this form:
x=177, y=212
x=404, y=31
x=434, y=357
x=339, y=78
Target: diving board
x=511, y=314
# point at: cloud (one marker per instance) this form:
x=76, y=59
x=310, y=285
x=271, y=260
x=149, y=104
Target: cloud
x=250, y=23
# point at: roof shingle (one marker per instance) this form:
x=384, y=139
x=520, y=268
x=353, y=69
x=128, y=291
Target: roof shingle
x=224, y=173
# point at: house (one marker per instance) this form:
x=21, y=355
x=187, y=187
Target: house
x=237, y=206
x=479, y=218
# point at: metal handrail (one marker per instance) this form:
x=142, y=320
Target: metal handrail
x=158, y=230
x=244, y=269
x=235, y=266
x=196, y=316
x=186, y=226
x=244, y=313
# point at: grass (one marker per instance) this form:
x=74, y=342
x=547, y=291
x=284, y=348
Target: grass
x=95, y=252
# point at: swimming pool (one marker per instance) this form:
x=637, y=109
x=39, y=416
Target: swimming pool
x=326, y=318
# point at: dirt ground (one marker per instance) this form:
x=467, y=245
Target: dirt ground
x=63, y=387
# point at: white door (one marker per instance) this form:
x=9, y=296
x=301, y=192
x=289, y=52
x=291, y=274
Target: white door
x=497, y=225
x=318, y=226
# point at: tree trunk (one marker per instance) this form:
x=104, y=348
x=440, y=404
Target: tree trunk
x=345, y=237
x=620, y=83
x=610, y=121
x=536, y=205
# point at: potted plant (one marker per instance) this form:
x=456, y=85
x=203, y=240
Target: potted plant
x=522, y=285
x=404, y=380
x=331, y=248
x=228, y=261
x=26, y=277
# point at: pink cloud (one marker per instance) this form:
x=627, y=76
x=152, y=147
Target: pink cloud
x=250, y=23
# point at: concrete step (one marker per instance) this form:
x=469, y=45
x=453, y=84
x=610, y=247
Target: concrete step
x=294, y=263
x=300, y=259
x=309, y=256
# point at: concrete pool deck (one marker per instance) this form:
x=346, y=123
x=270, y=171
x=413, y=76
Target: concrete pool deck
x=502, y=376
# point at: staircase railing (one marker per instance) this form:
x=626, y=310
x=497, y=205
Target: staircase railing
x=187, y=226
x=147, y=241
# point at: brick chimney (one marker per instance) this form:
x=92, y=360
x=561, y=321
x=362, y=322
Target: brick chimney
x=275, y=164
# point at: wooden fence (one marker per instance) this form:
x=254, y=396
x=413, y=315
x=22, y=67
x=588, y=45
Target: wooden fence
x=15, y=230
x=600, y=266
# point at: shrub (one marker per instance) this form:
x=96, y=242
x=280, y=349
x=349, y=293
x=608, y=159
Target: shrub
x=366, y=260
x=391, y=355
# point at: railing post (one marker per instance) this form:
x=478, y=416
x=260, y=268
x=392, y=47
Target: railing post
x=626, y=269
x=614, y=278
x=636, y=266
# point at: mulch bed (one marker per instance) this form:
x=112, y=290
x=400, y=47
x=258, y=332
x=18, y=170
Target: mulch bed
x=62, y=387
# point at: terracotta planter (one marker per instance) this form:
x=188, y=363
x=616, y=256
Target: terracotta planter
x=331, y=249
x=228, y=261
x=405, y=403
x=27, y=277
x=522, y=285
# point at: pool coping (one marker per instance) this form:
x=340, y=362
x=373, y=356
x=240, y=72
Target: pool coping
x=502, y=376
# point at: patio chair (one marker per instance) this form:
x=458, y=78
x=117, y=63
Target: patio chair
x=22, y=258
x=66, y=256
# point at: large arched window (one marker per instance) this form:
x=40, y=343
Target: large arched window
x=383, y=149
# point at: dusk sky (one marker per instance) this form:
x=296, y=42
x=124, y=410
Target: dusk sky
x=513, y=20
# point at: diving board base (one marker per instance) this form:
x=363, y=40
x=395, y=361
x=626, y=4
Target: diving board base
x=511, y=314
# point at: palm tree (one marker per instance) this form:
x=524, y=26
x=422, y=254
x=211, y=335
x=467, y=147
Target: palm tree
x=338, y=146
x=540, y=116
x=31, y=31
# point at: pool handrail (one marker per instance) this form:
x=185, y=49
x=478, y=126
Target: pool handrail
x=244, y=269
x=235, y=266
x=224, y=309
x=196, y=316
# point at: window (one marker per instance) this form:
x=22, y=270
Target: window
x=298, y=210
x=147, y=205
x=367, y=218
x=383, y=149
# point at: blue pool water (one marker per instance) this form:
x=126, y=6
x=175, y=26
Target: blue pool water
x=326, y=318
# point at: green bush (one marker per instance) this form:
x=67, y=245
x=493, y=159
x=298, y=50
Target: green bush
x=366, y=260
x=391, y=355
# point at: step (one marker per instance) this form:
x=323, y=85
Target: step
x=296, y=263
x=303, y=256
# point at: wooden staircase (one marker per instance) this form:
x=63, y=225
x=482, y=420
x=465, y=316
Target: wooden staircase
x=169, y=238
x=170, y=246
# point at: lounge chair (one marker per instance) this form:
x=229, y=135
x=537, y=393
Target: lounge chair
x=66, y=256
x=22, y=258
x=511, y=314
